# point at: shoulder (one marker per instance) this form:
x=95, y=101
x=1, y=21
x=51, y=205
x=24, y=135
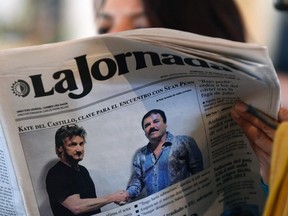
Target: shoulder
x=56, y=168
x=83, y=169
x=57, y=174
x=184, y=142
x=179, y=138
x=59, y=171
x=141, y=154
x=142, y=150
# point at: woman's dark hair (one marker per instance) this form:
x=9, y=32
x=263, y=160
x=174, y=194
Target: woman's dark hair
x=214, y=18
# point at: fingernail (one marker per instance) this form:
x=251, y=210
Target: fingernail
x=234, y=114
x=241, y=107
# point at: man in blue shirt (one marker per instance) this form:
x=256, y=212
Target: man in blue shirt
x=165, y=160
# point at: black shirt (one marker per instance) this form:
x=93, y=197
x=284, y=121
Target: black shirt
x=63, y=181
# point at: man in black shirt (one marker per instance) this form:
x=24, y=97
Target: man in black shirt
x=69, y=186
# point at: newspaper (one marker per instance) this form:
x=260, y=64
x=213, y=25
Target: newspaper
x=106, y=84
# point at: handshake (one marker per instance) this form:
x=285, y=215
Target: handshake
x=119, y=197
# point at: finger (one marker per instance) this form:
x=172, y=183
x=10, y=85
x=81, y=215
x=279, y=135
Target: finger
x=241, y=111
x=255, y=135
x=283, y=114
x=264, y=160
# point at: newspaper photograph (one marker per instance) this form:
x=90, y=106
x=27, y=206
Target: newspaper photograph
x=143, y=125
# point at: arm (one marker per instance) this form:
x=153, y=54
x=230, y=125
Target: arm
x=259, y=134
x=77, y=205
x=64, y=190
x=195, y=160
x=136, y=183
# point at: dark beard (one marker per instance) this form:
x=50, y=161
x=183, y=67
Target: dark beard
x=70, y=159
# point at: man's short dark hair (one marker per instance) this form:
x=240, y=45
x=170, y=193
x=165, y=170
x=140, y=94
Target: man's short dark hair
x=67, y=131
x=154, y=111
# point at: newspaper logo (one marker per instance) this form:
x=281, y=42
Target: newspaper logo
x=20, y=88
x=101, y=70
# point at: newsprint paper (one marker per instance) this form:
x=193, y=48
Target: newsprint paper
x=106, y=84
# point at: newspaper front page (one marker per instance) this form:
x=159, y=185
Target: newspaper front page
x=106, y=84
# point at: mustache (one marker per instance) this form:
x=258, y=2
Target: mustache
x=78, y=153
x=152, y=130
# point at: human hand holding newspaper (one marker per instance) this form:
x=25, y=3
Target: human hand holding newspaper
x=260, y=130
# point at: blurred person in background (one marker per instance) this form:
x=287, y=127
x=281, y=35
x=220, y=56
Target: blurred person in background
x=207, y=17
x=221, y=19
